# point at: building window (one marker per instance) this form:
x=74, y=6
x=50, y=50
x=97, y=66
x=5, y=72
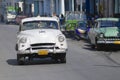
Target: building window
x=10, y=4
x=7, y=4
x=117, y=6
x=67, y=5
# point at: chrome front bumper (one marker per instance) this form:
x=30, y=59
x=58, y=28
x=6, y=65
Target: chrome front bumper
x=36, y=51
x=108, y=42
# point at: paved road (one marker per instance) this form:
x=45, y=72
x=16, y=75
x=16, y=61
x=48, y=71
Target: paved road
x=82, y=62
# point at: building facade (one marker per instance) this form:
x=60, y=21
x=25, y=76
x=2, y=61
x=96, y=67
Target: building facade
x=47, y=7
x=116, y=8
x=28, y=7
x=106, y=8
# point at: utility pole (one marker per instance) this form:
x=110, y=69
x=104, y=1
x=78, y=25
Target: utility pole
x=81, y=5
x=79, y=2
x=24, y=9
x=52, y=6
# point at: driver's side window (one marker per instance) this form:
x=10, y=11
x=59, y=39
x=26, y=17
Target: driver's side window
x=96, y=25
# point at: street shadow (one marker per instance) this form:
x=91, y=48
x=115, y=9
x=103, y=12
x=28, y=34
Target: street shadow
x=46, y=61
x=12, y=62
x=87, y=46
x=113, y=66
x=107, y=52
x=116, y=63
x=108, y=56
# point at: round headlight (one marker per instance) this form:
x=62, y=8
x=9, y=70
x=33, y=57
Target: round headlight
x=101, y=35
x=61, y=38
x=23, y=40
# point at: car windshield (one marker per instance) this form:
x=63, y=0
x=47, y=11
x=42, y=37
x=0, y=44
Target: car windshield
x=82, y=25
x=12, y=12
x=39, y=25
x=109, y=24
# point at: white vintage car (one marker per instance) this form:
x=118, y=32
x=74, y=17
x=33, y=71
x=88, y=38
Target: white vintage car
x=40, y=37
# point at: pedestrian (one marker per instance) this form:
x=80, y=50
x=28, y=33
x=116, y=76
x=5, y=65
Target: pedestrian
x=62, y=19
x=2, y=18
x=55, y=16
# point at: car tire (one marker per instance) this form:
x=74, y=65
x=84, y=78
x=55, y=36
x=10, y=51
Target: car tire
x=20, y=60
x=59, y=58
x=98, y=47
x=63, y=60
x=77, y=37
x=93, y=46
x=55, y=60
x=6, y=22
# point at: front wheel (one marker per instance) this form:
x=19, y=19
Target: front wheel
x=77, y=37
x=63, y=60
x=60, y=58
x=99, y=47
x=20, y=59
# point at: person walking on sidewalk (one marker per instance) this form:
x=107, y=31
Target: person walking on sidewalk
x=2, y=18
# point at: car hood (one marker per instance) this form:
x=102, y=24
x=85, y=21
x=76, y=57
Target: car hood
x=41, y=35
x=110, y=31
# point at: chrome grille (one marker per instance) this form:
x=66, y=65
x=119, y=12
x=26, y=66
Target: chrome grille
x=112, y=38
x=43, y=46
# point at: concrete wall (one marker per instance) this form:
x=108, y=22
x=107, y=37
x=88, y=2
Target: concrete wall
x=47, y=7
x=107, y=6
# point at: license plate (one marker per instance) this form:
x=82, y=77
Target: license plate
x=116, y=42
x=43, y=52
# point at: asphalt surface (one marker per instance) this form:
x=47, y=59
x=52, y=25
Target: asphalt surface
x=83, y=63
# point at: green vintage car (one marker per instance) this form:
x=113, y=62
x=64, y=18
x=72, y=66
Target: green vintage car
x=71, y=20
x=105, y=33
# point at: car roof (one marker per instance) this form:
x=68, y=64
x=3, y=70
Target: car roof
x=107, y=19
x=38, y=18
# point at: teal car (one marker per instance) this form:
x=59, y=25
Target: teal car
x=105, y=33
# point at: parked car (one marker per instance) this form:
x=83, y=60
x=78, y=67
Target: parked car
x=72, y=18
x=9, y=14
x=81, y=31
x=105, y=33
x=19, y=18
x=71, y=21
x=40, y=37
